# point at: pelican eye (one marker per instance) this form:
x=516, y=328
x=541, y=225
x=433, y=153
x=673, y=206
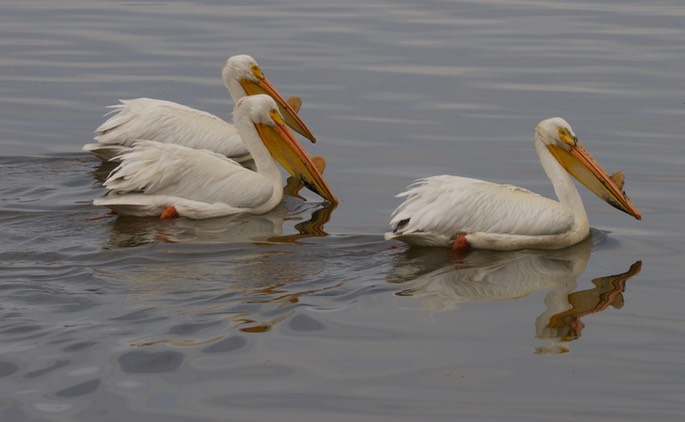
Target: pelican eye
x=276, y=116
x=256, y=71
x=566, y=137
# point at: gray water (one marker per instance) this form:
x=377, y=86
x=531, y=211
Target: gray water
x=307, y=313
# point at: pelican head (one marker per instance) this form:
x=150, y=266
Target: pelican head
x=263, y=111
x=556, y=134
x=243, y=76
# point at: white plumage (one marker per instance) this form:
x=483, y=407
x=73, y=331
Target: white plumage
x=463, y=212
x=199, y=183
x=475, y=206
x=154, y=176
x=169, y=122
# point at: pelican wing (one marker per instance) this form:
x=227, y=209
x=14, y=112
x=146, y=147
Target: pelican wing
x=167, y=170
x=448, y=205
x=169, y=122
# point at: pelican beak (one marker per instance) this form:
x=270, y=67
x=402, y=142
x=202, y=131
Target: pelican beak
x=263, y=86
x=284, y=147
x=578, y=161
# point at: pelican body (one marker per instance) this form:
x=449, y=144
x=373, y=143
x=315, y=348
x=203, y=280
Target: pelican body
x=461, y=212
x=169, y=122
x=167, y=180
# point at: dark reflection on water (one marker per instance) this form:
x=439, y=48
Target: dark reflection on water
x=7, y=368
x=43, y=371
x=81, y=389
x=444, y=280
x=141, y=361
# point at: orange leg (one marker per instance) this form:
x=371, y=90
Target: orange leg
x=460, y=243
x=169, y=212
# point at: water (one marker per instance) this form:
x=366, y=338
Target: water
x=307, y=313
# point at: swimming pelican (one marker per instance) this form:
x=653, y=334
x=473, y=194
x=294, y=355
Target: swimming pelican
x=167, y=180
x=460, y=212
x=169, y=122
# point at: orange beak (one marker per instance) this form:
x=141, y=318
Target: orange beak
x=283, y=146
x=263, y=86
x=581, y=165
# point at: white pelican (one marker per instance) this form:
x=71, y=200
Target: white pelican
x=166, y=180
x=460, y=212
x=169, y=122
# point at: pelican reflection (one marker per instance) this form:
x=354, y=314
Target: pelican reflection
x=441, y=281
x=135, y=231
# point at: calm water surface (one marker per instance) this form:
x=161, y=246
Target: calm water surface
x=306, y=313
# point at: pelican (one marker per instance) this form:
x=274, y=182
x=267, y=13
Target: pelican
x=166, y=121
x=461, y=212
x=167, y=180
